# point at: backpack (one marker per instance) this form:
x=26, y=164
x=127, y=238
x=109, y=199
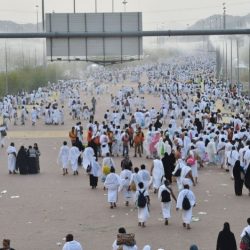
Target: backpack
x=186, y=203
x=89, y=168
x=245, y=242
x=177, y=173
x=165, y=196
x=142, y=201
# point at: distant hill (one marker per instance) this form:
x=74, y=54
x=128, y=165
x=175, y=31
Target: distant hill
x=9, y=26
x=216, y=22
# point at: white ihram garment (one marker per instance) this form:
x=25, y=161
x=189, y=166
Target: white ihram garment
x=73, y=157
x=165, y=206
x=63, y=157
x=112, y=183
x=186, y=214
x=11, y=158
x=158, y=173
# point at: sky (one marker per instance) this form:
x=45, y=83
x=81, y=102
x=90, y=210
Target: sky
x=157, y=14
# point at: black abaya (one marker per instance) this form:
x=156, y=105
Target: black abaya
x=168, y=162
x=238, y=182
x=22, y=161
x=247, y=178
x=93, y=181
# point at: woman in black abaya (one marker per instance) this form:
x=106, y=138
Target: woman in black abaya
x=22, y=161
x=238, y=174
x=168, y=162
x=226, y=239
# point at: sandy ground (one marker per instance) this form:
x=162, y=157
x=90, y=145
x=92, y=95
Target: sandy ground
x=37, y=211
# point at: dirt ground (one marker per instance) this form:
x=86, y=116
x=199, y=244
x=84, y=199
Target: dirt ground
x=37, y=211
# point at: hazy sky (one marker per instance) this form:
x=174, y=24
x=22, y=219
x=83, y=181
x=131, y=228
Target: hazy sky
x=156, y=13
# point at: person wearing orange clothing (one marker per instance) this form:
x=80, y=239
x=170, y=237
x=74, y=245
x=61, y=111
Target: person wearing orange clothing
x=89, y=136
x=72, y=135
x=138, y=140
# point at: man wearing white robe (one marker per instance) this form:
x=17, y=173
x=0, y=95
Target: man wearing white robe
x=143, y=212
x=221, y=152
x=2, y=135
x=157, y=172
x=63, y=157
x=186, y=214
x=201, y=150
x=186, y=176
x=74, y=153
x=11, y=151
x=246, y=158
x=87, y=157
x=211, y=151
x=145, y=176
x=233, y=156
x=33, y=116
x=112, y=183
x=228, y=148
x=186, y=144
x=125, y=177
x=94, y=173
x=134, y=181
x=104, y=140
x=166, y=206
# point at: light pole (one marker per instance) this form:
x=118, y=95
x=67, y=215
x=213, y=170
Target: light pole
x=95, y=6
x=249, y=67
x=124, y=4
x=113, y=6
x=37, y=6
x=74, y=6
x=43, y=15
x=238, y=64
x=6, y=69
x=43, y=26
x=224, y=44
x=224, y=15
x=231, y=59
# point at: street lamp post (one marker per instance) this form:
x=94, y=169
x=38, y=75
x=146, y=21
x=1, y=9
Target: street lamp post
x=238, y=64
x=37, y=29
x=113, y=6
x=249, y=67
x=6, y=69
x=74, y=6
x=95, y=6
x=43, y=16
x=224, y=45
x=124, y=4
x=231, y=61
x=224, y=15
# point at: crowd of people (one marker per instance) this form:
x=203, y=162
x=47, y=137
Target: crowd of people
x=25, y=161
x=187, y=133
x=126, y=241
